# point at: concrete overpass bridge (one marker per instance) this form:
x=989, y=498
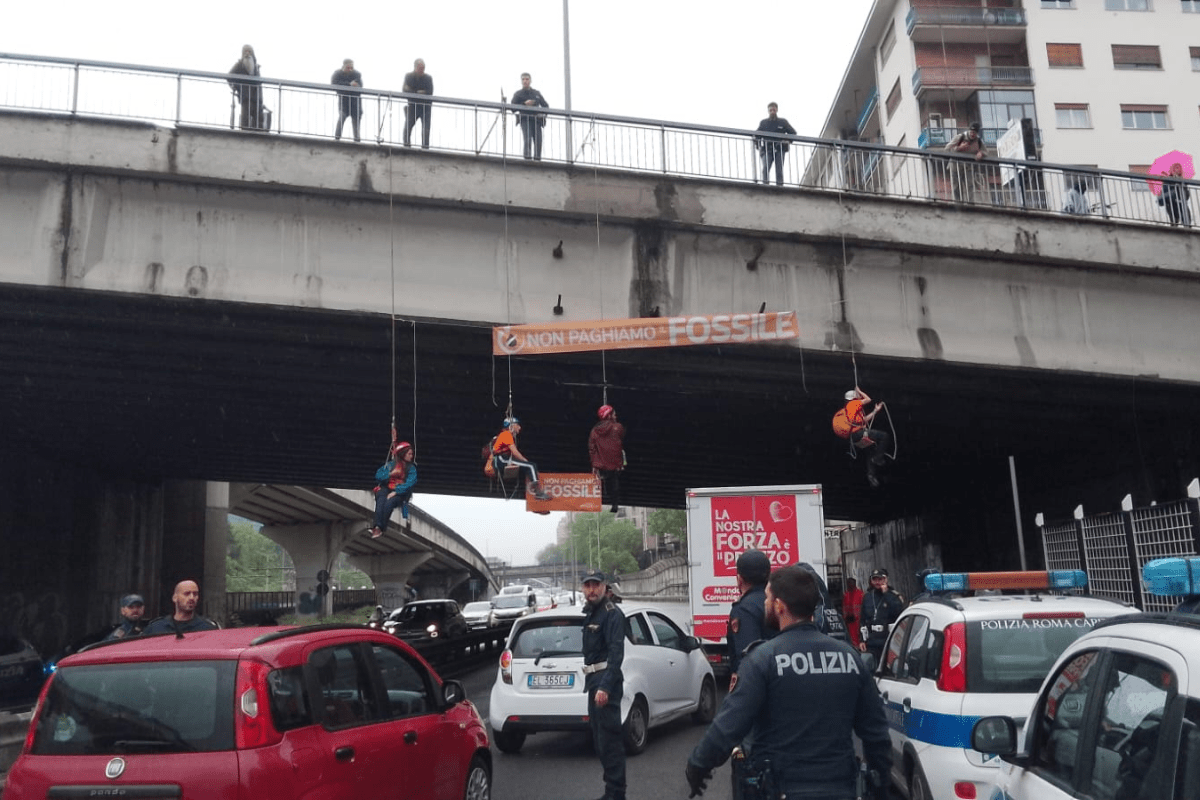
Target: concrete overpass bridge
x=180, y=302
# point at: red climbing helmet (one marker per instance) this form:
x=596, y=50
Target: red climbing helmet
x=605, y=411
x=399, y=446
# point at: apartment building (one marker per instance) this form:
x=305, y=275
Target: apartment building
x=1104, y=83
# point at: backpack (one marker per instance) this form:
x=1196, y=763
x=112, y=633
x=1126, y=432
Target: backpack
x=489, y=461
x=841, y=424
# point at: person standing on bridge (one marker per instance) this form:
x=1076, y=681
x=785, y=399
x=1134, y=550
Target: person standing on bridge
x=248, y=92
x=396, y=477
x=418, y=82
x=185, y=619
x=528, y=117
x=349, y=101
x=964, y=176
x=773, y=148
x=505, y=453
x=606, y=449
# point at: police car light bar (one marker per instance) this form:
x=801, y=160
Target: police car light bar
x=965, y=581
x=1172, y=577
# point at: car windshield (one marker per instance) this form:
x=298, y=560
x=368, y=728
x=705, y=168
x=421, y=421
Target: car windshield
x=557, y=636
x=510, y=601
x=161, y=707
x=420, y=613
x=1013, y=656
x=477, y=608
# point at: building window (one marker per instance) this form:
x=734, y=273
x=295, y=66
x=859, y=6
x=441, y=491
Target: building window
x=1072, y=115
x=1064, y=55
x=1191, y=6
x=1137, y=117
x=888, y=44
x=1136, y=56
x=1194, y=52
x=1058, y=3
x=1126, y=5
x=893, y=100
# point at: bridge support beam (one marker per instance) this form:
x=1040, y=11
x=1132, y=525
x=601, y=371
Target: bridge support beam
x=390, y=574
x=312, y=548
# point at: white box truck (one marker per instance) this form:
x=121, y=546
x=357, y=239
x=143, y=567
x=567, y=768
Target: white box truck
x=785, y=522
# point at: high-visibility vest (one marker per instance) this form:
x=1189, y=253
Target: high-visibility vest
x=848, y=420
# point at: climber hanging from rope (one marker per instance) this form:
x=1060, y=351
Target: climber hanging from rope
x=606, y=451
x=852, y=423
x=505, y=453
x=396, y=479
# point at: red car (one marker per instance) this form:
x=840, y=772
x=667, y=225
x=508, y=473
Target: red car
x=327, y=711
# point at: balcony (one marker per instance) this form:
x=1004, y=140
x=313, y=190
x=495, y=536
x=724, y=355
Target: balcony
x=955, y=25
x=868, y=108
x=938, y=137
x=970, y=78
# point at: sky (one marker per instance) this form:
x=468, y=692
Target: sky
x=707, y=62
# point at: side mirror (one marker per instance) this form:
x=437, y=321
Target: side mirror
x=453, y=693
x=996, y=735
x=690, y=643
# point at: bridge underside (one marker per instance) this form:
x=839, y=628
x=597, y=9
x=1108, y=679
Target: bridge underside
x=153, y=386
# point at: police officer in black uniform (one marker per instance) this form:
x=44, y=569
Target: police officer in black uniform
x=603, y=653
x=746, y=614
x=803, y=694
x=133, y=606
x=880, y=608
x=827, y=618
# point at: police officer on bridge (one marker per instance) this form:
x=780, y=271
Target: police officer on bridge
x=802, y=694
x=603, y=653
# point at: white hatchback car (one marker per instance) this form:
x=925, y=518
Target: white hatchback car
x=1118, y=717
x=951, y=659
x=540, y=681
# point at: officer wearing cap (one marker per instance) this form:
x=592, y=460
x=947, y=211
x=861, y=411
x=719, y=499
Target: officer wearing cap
x=603, y=654
x=132, y=624
x=801, y=695
x=746, y=614
x=880, y=608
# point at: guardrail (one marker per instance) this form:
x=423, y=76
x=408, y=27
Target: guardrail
x=184, y=98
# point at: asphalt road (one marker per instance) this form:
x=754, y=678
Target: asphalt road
x=563, y=766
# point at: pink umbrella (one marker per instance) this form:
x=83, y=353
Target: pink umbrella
x=1162, y=166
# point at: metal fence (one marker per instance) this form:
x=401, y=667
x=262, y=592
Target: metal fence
x=489, y=130
x=1114, y=547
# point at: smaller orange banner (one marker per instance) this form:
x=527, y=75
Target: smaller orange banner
x=627, y=334
x=569, y=491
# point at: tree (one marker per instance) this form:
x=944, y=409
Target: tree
x=620, y=542
x=253, y=563
x=668, y=522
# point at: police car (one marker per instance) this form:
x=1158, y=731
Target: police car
x=1119, y=715
x=951, y=659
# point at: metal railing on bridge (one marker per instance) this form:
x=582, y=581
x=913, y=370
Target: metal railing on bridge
x=185, y=98
x=1113, y=548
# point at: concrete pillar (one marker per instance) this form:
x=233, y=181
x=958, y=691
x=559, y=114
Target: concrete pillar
x=183, y=548
x=390, y=572
x=313, y=547
x=216, y=542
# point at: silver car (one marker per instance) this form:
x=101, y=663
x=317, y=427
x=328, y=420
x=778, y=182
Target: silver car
x=480, y=614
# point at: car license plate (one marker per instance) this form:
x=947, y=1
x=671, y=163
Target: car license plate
x=552, y=680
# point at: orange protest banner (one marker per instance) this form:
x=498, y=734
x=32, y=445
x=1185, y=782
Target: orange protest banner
x=628, y=334
x=569, y=491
